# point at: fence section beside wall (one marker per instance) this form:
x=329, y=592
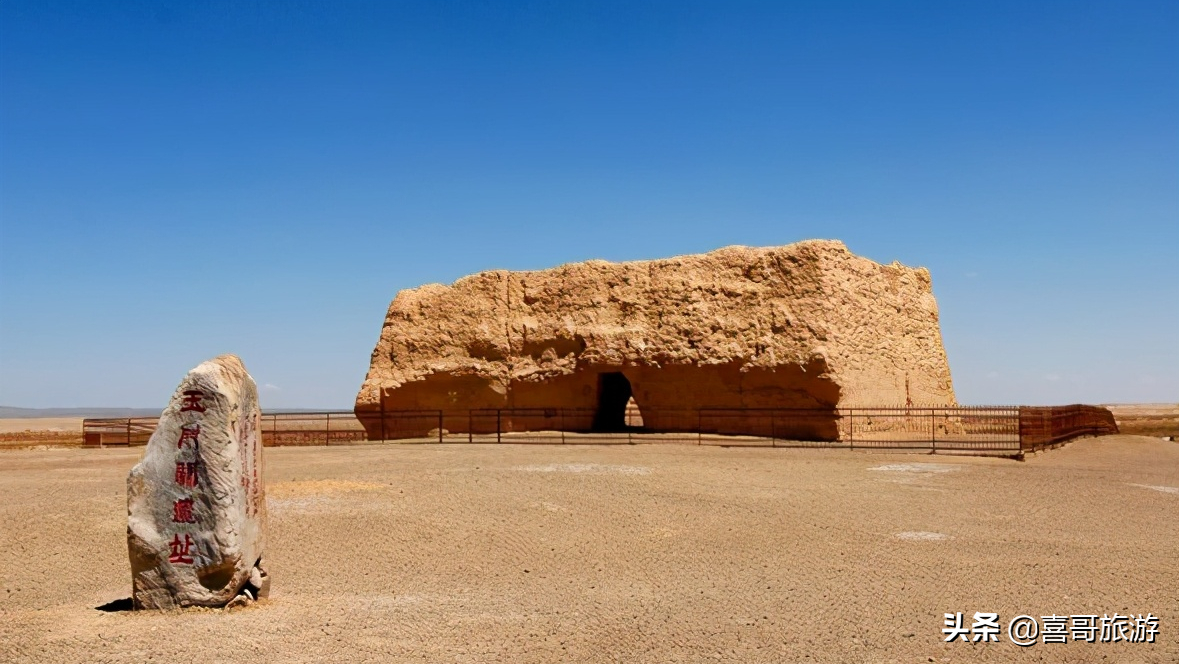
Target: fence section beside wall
x=278, y=429
x=292, y=429
x=1044, y=426
x=117, y=432
x=968, y=429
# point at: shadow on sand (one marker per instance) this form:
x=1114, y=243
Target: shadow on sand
x=117, y=605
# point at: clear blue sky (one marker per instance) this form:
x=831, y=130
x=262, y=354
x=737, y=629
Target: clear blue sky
x=179, y=180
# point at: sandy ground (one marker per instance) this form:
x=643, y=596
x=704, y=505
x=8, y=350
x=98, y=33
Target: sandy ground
x=660, y=553
x=40, y=431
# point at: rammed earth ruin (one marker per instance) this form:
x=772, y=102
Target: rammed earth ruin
x=807, y=325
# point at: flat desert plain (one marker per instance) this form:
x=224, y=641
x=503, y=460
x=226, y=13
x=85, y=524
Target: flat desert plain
x=646, y=553
x=1147, y=419
x=16, y=433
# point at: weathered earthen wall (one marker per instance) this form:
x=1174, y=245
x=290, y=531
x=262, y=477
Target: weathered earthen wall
x=807, y=325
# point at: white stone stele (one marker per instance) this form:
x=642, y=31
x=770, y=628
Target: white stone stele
x=196, y=504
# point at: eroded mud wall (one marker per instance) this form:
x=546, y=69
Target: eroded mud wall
x=807, y=325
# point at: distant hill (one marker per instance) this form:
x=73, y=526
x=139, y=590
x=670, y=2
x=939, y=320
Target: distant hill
x=8, y=412
x=11, y=412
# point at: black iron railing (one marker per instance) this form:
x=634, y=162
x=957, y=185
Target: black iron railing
x=945, y=429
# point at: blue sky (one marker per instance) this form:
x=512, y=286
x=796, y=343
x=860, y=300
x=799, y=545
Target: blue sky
x=179, y=180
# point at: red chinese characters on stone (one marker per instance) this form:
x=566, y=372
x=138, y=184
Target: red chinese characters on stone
x=180, y=550
x=182, y=511
x=192, y=401
x=189, y=433
x=254, y=492
x=186, y=474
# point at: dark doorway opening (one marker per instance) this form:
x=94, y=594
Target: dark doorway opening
x=613, y=394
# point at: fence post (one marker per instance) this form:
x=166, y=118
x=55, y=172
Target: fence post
x=1019, y=426
x=1019, y=429
x=851, y=428
x=470, y=426
x=498, y=425
x=128, y=432
x=773, y=430
x=327, y=430
x=382, y=402
x=933, y=429
x=699, y=427
x=439, y=426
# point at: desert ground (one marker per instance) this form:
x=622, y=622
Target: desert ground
x=1147, y=419
x=645, y=553
x=16, y=433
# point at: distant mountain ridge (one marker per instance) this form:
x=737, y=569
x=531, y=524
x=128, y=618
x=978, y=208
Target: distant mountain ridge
x=12, y=412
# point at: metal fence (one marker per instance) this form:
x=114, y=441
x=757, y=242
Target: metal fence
x=117, y=432
x=1006, y=430
x=960, y=429
x=278, y=429
x=1041, y=427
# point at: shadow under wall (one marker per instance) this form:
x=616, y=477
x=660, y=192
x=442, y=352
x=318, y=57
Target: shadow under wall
x=787, y=402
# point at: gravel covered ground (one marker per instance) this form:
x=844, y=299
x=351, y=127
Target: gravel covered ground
x=660, y=553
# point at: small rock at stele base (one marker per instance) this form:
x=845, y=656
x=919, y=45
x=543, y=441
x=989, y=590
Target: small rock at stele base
x=196, y=504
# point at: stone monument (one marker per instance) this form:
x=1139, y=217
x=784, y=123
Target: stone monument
x=196, y=505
